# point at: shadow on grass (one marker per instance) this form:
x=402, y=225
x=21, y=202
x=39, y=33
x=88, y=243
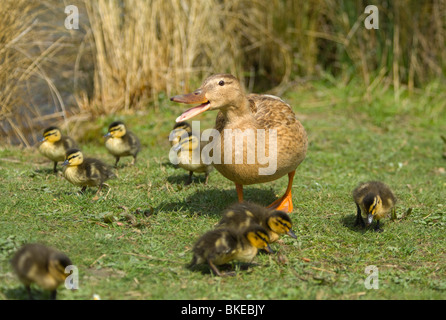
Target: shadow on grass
x=20, y=293
x=47, y=171
x=234, y=267
x=181, y=179
x=212, y=201
x=349, y=222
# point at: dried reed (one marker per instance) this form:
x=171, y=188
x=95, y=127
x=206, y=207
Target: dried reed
x=129, y=52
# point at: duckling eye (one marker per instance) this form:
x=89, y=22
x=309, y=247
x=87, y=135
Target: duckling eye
x=221, y=83
x=72, y=157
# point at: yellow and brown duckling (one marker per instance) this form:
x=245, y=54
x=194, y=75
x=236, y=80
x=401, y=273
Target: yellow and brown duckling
x=42, y=265
x=243, y=214
x=374, y=201
x=221, y=246
x=54, y=145
x=254, y=112
x=180, y=130
x=121, y=142
x=187, y=154
x=86, y=172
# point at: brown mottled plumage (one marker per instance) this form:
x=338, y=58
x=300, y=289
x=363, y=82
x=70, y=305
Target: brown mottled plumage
x=42, y=265
x=249, y=114
x=374, y=201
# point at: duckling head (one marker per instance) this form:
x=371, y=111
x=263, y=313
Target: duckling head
x=373, y=204
x=180, y=131
x=258, y=237
x=73, y=157
x=220, y=91
x=51, y=134
x=57, y=265
x=187, y=144
x=280, y=222
x=116, y=130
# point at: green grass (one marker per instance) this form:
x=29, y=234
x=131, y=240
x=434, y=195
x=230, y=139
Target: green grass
x=135, y=244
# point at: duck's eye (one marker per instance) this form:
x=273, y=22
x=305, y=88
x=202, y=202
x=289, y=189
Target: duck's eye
x=221, y=83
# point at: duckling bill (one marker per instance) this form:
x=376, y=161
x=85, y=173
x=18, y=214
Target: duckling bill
x=54, y=145
x=374, y=201
x=86, y=172
x=42, y=265
x=221, y=246
x=121, y=142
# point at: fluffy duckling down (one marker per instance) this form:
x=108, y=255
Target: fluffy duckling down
x=42, y=265
x=180, y=131
x=374, y=201
x=221, y=246
x=54, y=145
x=121, y=142
x=243, y=214
x=86, y=172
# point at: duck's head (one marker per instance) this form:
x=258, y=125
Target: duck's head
x=220, y=91
x=116, y=130
x=57, y=265
x=180, y=131
x=51, y=134
x=73, y=157
x=280, y=222
x=372, y=204
x=258, y=237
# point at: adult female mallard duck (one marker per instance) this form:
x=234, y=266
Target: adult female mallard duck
x=220, y=246
x=374, y=201
x=254, y=116
x=121, y=142
x=42, y=265
x=54, y=145
x=86, y=172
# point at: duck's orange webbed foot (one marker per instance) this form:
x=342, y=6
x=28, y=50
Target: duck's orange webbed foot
x=284, y=204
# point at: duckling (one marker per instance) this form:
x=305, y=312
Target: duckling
x=121, y=143
x=374, y=200
x=85, y=172
x=54, y=145
x=220, y=246
x=240, y=215
x=189, y=157
x=180, y=130
x=42, y=265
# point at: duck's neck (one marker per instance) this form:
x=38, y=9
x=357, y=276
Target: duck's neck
x=239, y=114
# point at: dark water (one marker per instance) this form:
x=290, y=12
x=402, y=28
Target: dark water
x=39, y=106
